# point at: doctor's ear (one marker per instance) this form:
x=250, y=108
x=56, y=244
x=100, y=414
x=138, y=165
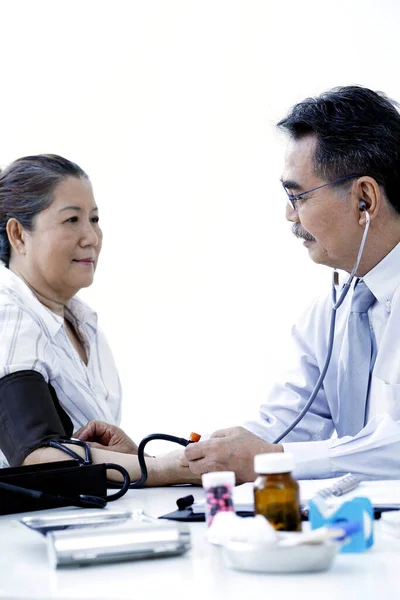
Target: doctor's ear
x=369, y=198
x=16, y=235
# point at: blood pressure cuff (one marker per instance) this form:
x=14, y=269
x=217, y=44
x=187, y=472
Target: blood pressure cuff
x=30, y=415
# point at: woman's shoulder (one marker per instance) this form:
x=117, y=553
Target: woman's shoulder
x=25, y=332
x=19, y=307
x=10, y=290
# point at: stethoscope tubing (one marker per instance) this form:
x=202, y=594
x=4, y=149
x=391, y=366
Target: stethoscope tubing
x=335, y=305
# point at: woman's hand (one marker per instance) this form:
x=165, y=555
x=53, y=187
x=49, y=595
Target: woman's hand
x=106, y=437
x=171, y=469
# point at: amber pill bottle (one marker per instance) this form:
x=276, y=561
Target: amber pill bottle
x=276, y=492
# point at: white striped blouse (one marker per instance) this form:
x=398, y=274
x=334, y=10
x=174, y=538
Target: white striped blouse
x=32, y=337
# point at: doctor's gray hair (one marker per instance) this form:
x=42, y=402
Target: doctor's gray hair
x=357, y=131
x=27, y=188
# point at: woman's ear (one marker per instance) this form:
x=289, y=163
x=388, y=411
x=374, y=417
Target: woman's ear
x=16, y=235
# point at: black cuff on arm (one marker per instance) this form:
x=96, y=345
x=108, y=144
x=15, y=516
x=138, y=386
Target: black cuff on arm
x=30, y=415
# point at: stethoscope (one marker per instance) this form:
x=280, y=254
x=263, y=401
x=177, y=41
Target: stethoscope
x=335, y=305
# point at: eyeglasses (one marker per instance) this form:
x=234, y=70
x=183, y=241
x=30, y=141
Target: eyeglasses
x=293, y=199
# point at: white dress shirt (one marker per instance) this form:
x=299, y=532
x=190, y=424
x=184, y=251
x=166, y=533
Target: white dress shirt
x=374, y=452
x=34, y=338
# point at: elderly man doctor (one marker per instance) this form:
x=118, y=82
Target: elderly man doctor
x=341, y=174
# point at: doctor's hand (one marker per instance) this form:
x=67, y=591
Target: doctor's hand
x=106, y=437
x=230, y=449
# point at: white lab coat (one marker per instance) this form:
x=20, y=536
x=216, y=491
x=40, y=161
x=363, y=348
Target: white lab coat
x=374, y=450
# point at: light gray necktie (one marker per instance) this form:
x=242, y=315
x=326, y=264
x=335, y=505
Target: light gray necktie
x=355, y=363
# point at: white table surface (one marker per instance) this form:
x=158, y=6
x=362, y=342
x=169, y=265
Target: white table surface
x=200, y=573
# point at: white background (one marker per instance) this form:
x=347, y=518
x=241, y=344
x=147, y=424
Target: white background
x=170, y=107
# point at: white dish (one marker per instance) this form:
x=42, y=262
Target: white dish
x=267, y=558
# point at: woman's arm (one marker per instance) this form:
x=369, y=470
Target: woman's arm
x=169, y=469
x=30, y=416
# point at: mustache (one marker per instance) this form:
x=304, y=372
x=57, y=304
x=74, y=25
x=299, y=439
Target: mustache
x=301, y=233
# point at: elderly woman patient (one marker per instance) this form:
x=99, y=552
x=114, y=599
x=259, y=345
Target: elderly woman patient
x=56, y=369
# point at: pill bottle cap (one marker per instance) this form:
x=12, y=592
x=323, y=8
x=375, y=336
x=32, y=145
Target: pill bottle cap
x=218, y=478
x=278, y=462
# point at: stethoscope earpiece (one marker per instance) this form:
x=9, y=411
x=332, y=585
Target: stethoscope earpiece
x=363, y=206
